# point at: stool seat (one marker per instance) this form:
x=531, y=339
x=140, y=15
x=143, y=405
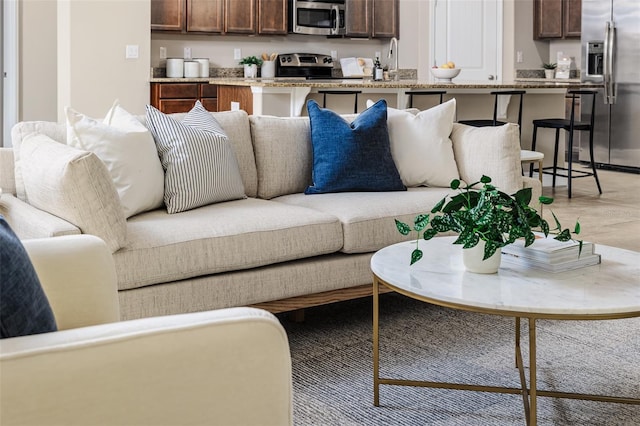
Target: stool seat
x=561, y=123
x=526, y=155
x=413, y=93
x=340, y=92
x=483, y=123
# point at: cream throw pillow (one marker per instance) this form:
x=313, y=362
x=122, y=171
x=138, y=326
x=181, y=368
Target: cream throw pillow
x=73, y=185
x=128, y=150
x=491, y=151
x=421, y=146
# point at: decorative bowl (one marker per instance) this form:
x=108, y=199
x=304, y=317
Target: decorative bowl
x=445, y=74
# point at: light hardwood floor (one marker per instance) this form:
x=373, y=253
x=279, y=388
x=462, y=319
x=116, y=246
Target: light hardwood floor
x=612, y=218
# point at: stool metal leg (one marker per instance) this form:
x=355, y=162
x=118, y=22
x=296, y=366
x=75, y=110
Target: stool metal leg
x=533, y=148
x=570, y=162
x=593, y=163
x=555, y=157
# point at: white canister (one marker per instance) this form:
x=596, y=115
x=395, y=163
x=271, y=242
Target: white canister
x=175, y=67
x=204, y=66
x=268, y=69
x=191, y=69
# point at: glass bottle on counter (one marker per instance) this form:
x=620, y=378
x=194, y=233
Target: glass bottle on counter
x=378, y=74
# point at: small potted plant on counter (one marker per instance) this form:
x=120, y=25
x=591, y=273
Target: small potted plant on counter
x=251, y=64
x=549, y=69
x=485, y=219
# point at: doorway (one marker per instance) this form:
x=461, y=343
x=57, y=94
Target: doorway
x=9, y=67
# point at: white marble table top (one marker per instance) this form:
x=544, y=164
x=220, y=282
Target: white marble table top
x=610, y=289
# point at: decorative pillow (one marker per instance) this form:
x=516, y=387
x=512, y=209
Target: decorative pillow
x=390, y=109
x=491, y=151
x=421, y=146
x=127, y=148
x=351, y=156
x=74, y=185
x=200, y=165
x=24, y=307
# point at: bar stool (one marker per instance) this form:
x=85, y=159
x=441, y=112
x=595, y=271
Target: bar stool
x=340, y=92
x=413, y=93
x=570, y=126
x=495, y=122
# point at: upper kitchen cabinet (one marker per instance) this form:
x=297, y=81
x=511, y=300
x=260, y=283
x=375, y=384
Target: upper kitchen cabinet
x=168, y=15
x=557, y=18
x=220, y=16
x=372, y=18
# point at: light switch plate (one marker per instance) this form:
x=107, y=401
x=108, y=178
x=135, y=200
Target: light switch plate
x=163, y=53
x=132, y=51
x=187, y=53
x=237, y=54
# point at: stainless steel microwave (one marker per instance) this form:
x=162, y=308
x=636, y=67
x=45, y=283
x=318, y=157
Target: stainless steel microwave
x=317, y=17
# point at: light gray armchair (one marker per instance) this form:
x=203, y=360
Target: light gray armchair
x=227, y=367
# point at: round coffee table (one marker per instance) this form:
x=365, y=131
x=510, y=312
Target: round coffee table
x=609, y=290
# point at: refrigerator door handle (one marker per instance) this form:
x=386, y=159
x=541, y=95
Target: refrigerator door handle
x=606, y=71
x=612, y=49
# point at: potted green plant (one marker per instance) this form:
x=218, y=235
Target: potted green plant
x=486, y=215
x=251, y=64
x=549, y=69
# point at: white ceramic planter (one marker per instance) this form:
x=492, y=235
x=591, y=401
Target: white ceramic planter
x=250, y=70
x=472, y=260
x=549, y=73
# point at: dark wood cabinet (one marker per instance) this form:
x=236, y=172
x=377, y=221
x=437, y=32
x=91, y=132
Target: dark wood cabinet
x=557, y=19
x=272, y=17
x=167, y=15
x=180, y=97
x=220, y=16
x=372, y=18
x=240, y=94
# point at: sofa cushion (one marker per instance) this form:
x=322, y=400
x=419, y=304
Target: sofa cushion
x=351, y=156
x=24, y=307
x=236, y=125
x=74, y=185
x=127, y=148
x=21, y=130
x=221, y=237
x=478, y=149
x=282, y=147
x=199, y=162
x=421, y=147
x=367, y=218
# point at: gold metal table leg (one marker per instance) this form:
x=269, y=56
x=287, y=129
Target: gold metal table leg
x=533, y=393
x=376, y=349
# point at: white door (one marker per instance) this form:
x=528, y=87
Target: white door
x=9, y=70
x=468, y=33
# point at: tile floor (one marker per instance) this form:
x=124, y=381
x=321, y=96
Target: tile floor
x=612, y=218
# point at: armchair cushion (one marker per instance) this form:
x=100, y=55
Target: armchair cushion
x=24, y=307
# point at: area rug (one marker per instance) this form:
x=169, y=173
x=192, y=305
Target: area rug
x=332, y=366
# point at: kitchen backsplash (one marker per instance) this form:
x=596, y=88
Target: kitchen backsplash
x=161, y=72
x=539, y=73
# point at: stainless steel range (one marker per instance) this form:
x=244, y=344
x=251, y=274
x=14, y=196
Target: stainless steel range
x=309, y=65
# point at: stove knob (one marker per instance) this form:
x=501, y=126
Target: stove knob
x=289, y=59
x=283, y=59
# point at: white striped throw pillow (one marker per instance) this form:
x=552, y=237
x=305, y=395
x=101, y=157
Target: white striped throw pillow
x=198, y=159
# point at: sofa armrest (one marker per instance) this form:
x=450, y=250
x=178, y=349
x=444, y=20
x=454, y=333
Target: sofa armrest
x=30, y=222
x=78, y=276
x=230, y=366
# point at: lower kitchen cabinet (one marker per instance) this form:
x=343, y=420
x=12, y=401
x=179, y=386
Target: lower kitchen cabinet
x=180, y=97
x=239, y=94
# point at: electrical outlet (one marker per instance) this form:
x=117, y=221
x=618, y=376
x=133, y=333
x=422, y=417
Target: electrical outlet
x=237, y=54
x=235, y=106
x=334, y=54
x=163, y=53
x=132, y=51
x=378, y=55
x=187, y=53
x=519, y=57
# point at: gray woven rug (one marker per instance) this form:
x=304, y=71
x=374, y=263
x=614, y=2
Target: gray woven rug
x=332, y=366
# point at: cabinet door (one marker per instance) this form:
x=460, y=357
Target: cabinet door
x=572, y=18
x=167, y=15
x=272, y=16
x=358, y=18
x=205, y=16
x=240, y=16
x=240, y=94
x=547, y=19
x=385, y=19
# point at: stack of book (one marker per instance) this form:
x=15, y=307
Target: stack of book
x=551, y=255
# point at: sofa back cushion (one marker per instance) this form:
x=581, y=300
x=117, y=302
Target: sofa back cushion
x=55, y=131
x=478, y=149
x=282, y=146
x=236, y=125
x=74, y=185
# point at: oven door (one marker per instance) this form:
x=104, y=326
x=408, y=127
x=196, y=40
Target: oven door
x=318, y=18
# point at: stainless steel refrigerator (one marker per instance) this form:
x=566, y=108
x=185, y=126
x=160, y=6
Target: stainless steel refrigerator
x=611, y=55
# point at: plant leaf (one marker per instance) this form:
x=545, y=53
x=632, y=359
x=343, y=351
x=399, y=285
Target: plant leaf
x=576, y=231
x=558, y=226
x=490, y=247
x=545, y=200
x=420, y=222
x=429, y=234
x=485, y=179
x=416, y=255
x=523, y=196
x=402, y=227
x=438, y=206
x=455, y=184
x=565, y=235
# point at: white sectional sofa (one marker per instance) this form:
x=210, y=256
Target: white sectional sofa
x=277, y=248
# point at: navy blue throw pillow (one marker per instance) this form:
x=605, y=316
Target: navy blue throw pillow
x=24, y=308
x=352, y=156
